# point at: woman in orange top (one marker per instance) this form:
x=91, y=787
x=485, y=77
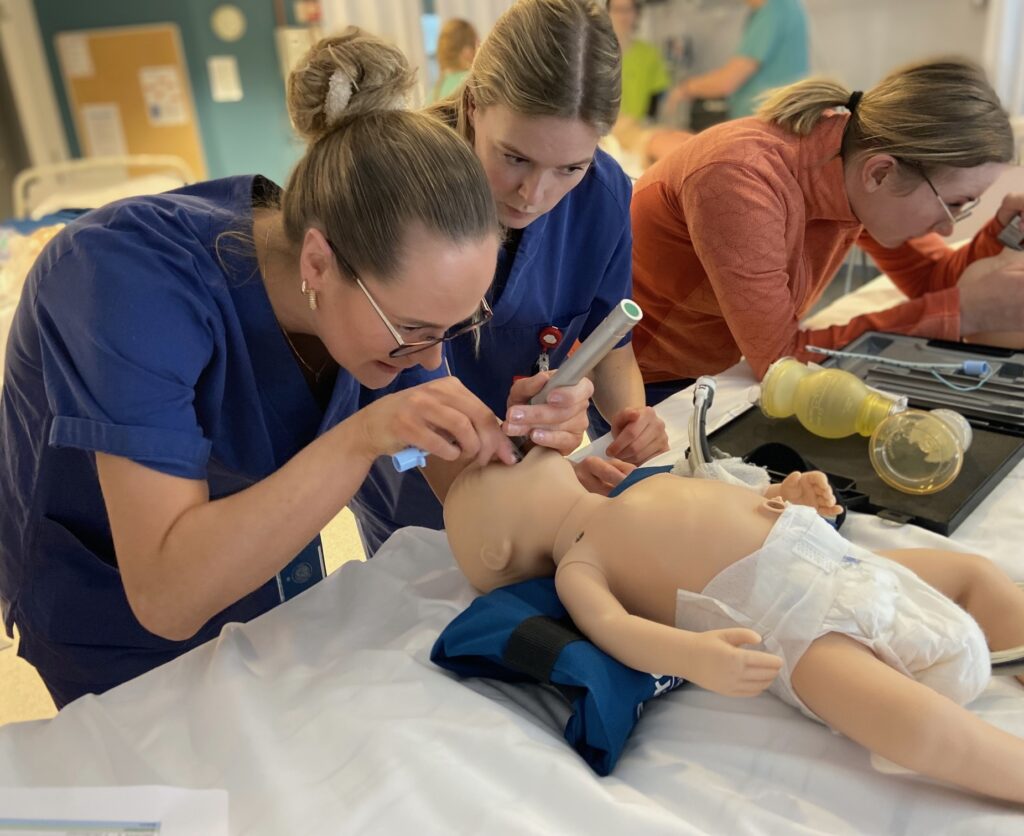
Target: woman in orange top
x=737, y=233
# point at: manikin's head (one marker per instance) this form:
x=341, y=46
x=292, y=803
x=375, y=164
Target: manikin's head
x=501, y=521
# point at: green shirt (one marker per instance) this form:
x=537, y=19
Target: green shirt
x=446, y=86
x=776, y=37
x=644, y=75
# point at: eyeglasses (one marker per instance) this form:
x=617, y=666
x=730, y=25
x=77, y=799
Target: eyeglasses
x=404, y=349
x=961, y=213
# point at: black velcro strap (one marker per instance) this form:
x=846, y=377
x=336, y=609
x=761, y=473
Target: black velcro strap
x=534, y=645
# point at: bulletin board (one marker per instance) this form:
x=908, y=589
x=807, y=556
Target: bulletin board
x=129, y=92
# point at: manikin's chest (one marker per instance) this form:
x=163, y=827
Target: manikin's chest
x=668, y=533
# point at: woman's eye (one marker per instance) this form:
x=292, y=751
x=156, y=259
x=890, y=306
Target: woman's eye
x=418, y=331
x=514, y=160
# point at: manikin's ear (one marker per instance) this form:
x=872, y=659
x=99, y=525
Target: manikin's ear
x=497, y=556
x=876, y=170
x=315, y=260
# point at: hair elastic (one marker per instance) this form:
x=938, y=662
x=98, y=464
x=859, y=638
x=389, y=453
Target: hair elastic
x=854, y=100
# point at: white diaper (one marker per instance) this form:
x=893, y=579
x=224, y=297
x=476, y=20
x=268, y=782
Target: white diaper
x=807, y=580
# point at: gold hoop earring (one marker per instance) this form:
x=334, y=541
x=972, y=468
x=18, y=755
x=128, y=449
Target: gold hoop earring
x=310, y=295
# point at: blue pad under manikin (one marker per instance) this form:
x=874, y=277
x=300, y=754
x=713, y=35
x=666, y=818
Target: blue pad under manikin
x=522, y=633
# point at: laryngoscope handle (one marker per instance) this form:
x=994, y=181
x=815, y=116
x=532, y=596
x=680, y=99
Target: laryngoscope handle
x=593, y=349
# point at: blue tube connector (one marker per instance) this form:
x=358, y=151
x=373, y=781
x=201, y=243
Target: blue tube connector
x=409, y=458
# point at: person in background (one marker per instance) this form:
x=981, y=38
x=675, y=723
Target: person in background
x=738, y=232
x=543, y=89
x=773, y=52
x=645, y=78
x=180, y=416
x=456, y=46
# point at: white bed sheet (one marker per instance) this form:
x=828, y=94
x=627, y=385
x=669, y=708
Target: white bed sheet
x=326, y=716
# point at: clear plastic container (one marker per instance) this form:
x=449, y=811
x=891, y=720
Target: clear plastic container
x=920, y=452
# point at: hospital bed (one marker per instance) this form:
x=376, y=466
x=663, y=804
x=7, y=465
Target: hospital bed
x=326, y=716
x=41, y=194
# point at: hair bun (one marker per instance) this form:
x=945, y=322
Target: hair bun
x=345, y=76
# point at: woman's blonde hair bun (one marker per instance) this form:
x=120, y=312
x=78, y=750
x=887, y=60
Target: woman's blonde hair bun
x=345, y=76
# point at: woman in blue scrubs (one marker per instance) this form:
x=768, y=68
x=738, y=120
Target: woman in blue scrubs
x=180, y=413
x=544, y=87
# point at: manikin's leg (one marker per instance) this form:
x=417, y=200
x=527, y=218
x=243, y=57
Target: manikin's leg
x=976, y=584
x=857, y=694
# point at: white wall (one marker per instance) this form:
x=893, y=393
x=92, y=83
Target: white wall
x=396, y=20
x=859, y=41
x=1004, y=52
x=29, y=76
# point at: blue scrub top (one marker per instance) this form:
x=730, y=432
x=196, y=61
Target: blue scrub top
x=572, y=266
x=775, y=36
x=137, y=336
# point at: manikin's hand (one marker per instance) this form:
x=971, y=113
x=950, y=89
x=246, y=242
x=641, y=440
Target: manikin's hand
x=559, y=423
x=638, y=435
x=992, y=294
x=718, y=662
x=599, y=475
x=810, y=489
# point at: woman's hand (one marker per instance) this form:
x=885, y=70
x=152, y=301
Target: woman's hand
x=599, y=475
x=1012, y=205
x=992, y=294
x=441, y=417
x=638, y=435
x=559, y=423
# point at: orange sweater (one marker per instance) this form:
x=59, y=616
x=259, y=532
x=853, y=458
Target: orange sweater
x=736, y=235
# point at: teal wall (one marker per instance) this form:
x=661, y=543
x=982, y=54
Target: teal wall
x=250, y=136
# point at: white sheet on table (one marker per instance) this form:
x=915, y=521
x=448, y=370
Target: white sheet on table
x=326, y=716
x=176, y=812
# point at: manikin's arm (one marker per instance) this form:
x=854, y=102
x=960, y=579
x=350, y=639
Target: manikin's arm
x=714, y=660
x=857, y=694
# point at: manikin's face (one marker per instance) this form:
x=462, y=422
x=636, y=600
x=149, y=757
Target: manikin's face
x=531, y=162
x=895, y=207
x=438, y=285
x=490, y=512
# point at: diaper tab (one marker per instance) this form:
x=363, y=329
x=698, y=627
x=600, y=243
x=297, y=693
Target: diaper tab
x=814, y=555
x=813, y=539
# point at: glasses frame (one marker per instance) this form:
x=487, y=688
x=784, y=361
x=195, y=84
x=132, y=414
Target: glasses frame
x=961, y=214
x=404, y=349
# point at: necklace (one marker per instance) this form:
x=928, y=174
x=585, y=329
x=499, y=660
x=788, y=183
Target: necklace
x=314, y=373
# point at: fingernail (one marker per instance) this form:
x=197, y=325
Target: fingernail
x=540, y=436
x=515, y=429
x=556, y=399
x=516, y=415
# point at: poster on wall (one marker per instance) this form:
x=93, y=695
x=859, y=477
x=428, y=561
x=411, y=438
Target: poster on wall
x=75, y=56
x=136, y=97
x=104, y=130
x=162, y=92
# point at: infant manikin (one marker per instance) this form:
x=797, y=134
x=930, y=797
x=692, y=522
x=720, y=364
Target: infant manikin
x=739, y=592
